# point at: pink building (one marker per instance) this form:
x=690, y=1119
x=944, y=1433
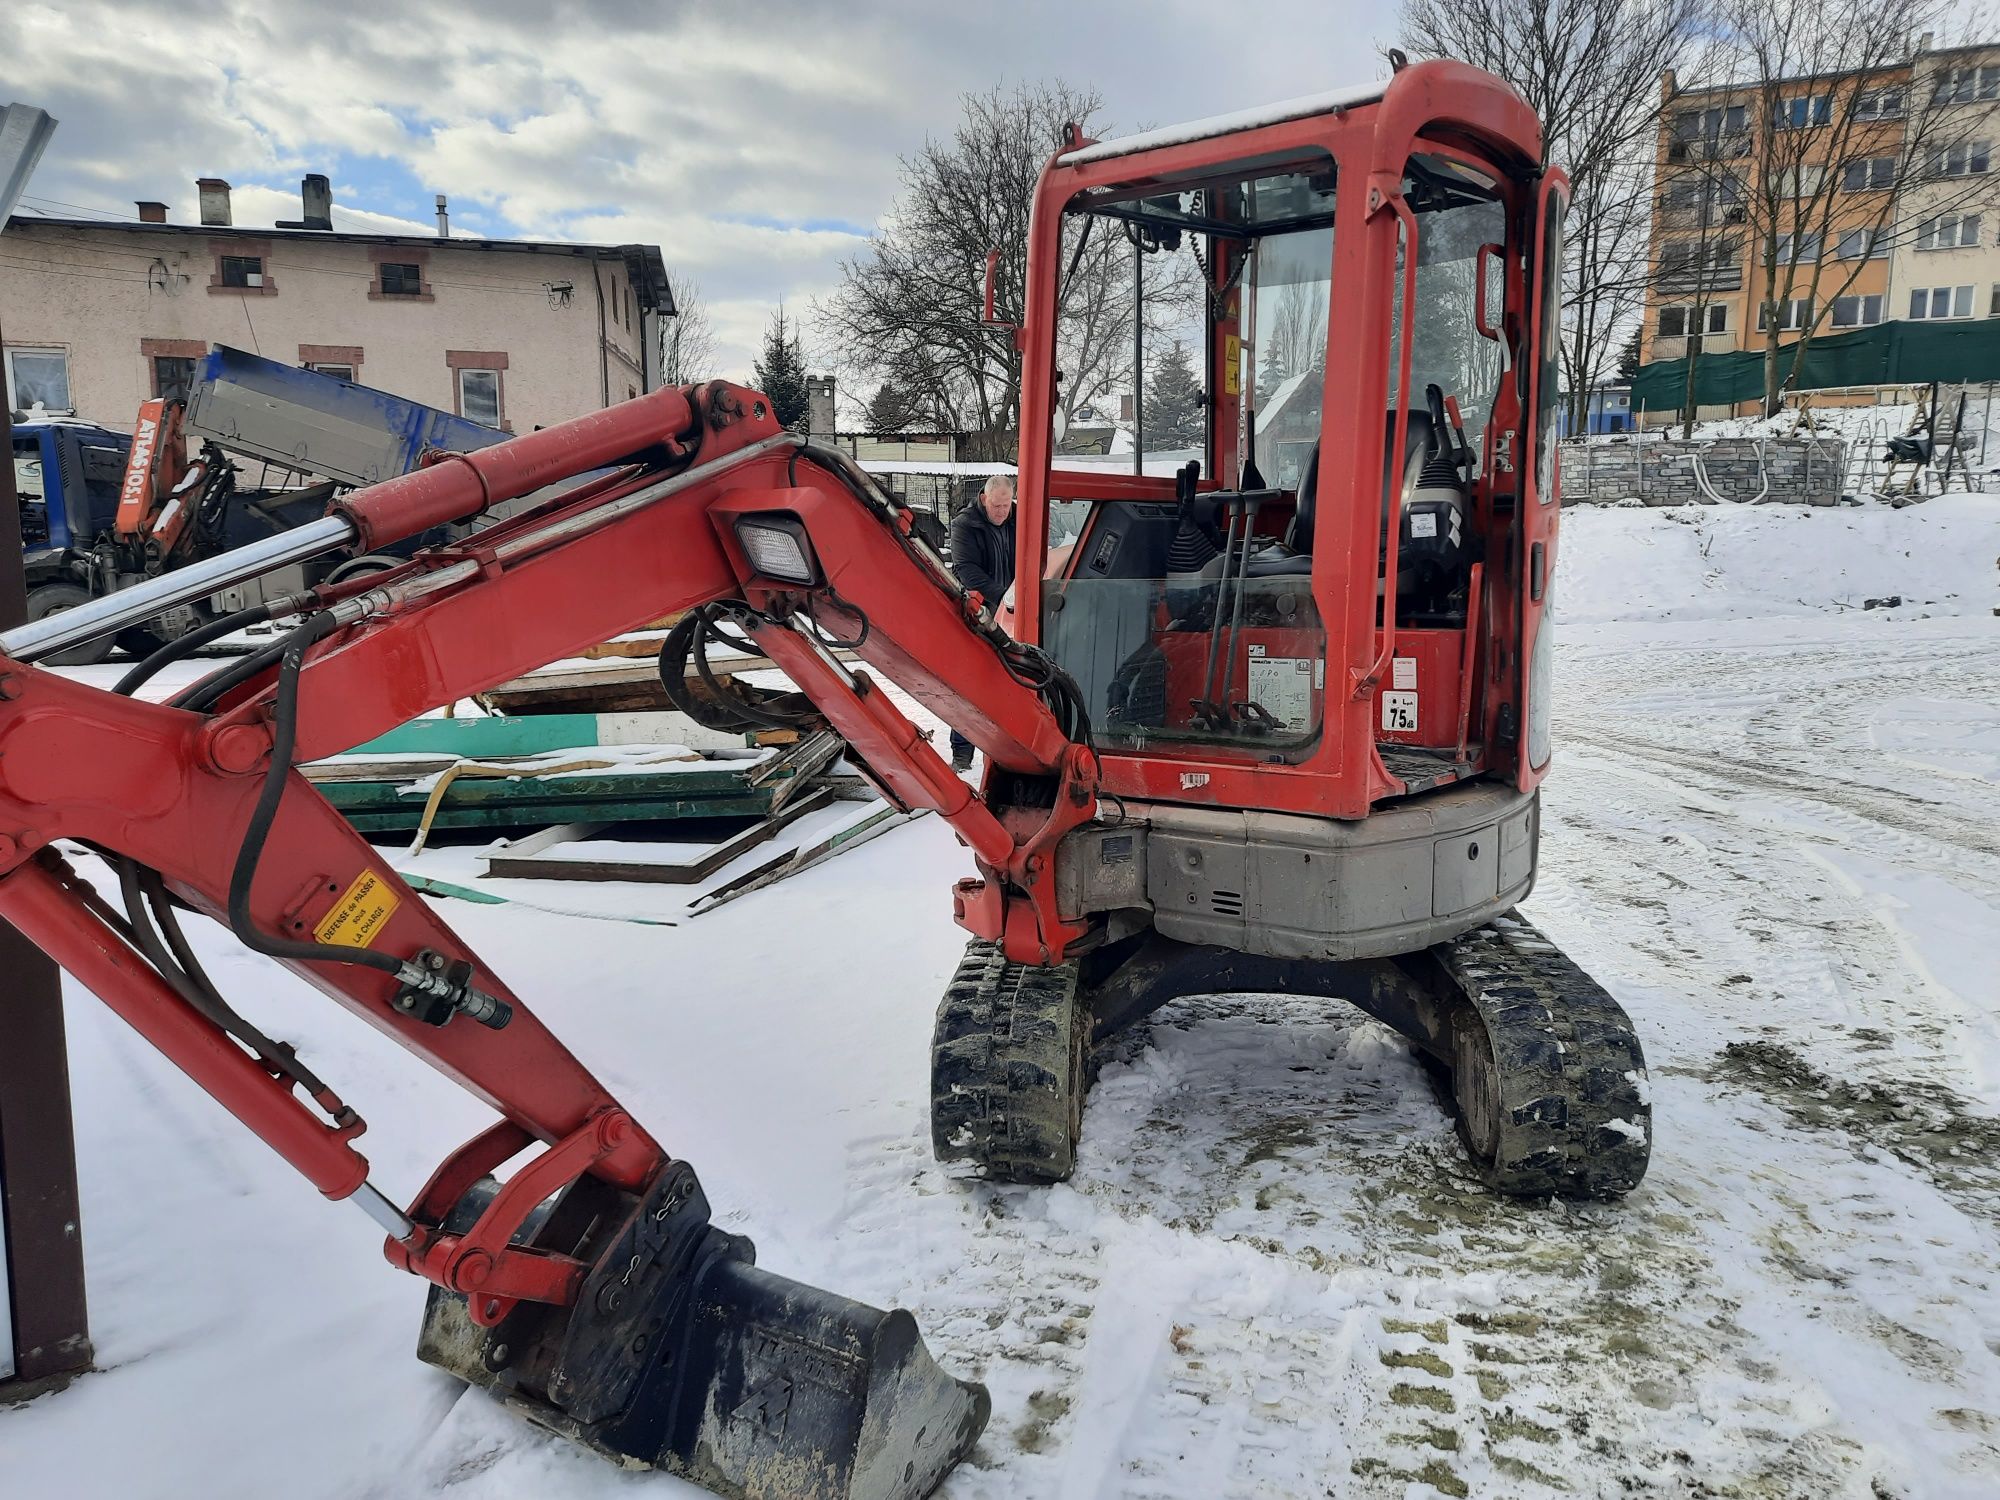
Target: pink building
x=101, y=315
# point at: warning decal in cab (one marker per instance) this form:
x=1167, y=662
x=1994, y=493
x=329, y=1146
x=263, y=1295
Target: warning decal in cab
x=1399, y=713
x=1283, y=687
x=358, y=918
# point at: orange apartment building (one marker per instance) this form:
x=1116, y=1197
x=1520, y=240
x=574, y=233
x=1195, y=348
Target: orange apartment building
x=1839, y=142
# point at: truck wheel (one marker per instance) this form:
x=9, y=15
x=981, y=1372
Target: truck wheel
x=139, y=642
x=53, y=599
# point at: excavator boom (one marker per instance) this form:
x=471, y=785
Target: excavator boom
x=691, y=500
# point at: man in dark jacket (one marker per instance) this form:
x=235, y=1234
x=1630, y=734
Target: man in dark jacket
x=982, y=555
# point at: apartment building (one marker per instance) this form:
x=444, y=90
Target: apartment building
x=1843, y=200
x=1946, y=263
x=101, y=314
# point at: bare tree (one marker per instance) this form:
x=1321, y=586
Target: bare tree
x=1837, y=147
x=908, y=310
x=1296, y=340
x=1590, y=70
x=687, y=339
x=1699, y=258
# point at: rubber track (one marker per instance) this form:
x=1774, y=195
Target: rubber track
x=1006, y=1068
x=1575, y=1121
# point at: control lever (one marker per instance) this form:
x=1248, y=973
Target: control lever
x=1447, y=433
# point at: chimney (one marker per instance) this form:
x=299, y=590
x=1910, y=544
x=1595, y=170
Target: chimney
x=1924, y=43
x=444, y=220
x=214, y=201
x=819, y=406
x=151, y=212
x=316, y=193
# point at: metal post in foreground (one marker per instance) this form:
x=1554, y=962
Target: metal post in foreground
x=44, y=1330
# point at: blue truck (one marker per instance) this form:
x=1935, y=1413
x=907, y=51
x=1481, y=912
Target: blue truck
x=307, y=434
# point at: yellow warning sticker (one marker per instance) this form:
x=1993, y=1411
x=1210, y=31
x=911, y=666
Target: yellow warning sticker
x=358, y=918
x=1232, y=365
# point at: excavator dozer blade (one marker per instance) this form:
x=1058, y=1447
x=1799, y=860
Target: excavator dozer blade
x=684, y=1355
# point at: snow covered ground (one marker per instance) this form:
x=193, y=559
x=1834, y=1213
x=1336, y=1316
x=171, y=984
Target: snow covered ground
x=1773, y=831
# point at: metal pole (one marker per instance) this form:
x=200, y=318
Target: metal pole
x=109, y=612
x=1138, y=358
x=44, y=1325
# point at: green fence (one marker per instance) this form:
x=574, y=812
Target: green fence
x=1888, y=354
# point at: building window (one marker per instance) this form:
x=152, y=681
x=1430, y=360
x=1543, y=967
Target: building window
x=1872, y=175
x=1801, y=182
x=479, y=396
x=1934, y=302
x=1793, y=314
x=1798, y=249
x=243, y=270
x=338, y=372
x=1856, y=312
x=1993, y=309
x=173, y=377
x=1717, y=200
x=1966, y=159
x=38, y=377
x=1690, y=259
x=1948, y=232
x=1806, y=110
x=1675, y=320
x=1879, y=104
x=1964, y=85
x=1863, y=244
x=1719, y=132
x=400, y=280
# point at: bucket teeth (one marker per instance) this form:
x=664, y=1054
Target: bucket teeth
x=749, y=1384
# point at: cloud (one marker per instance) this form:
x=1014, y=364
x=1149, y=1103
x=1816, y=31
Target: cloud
x=755, y=147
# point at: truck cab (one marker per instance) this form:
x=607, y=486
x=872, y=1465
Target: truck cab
x=66, y=474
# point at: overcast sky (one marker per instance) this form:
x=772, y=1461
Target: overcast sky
x=757, y=146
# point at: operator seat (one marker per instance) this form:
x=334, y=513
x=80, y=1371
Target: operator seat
x=1416, y=449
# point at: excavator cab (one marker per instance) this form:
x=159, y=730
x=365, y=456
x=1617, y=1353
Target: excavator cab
x=1225, y=606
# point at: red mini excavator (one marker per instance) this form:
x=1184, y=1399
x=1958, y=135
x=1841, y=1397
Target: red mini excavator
x=1276, y=723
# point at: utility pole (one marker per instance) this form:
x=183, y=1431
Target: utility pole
x=44, y=1327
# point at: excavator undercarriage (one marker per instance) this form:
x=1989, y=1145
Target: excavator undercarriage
x=1545, y=1076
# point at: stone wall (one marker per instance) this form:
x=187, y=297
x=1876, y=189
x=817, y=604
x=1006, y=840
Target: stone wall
x=1661, y=471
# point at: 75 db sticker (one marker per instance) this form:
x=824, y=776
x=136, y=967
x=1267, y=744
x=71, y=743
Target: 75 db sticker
x=358, y=918
x=1399, y=713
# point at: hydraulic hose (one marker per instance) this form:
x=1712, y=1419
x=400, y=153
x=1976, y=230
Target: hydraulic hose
x=204, y=695
x=187, y=644
x=291, y=652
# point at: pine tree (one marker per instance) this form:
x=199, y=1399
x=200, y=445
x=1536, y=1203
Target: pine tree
x=780, y=372
x=890, y=411
x=1276, y=367
x=1628, y=357
x=1174, y=402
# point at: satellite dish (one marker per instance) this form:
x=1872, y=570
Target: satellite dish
x=1061, y=424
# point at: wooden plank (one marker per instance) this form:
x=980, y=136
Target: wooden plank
x=502, y=816
x=836, y=843
x=550, y=791
x=646, y=646
x=548, y=838
x=608, y=689
x=511, y=865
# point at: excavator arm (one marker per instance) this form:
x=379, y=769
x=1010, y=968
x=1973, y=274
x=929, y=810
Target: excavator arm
x=554, y=1284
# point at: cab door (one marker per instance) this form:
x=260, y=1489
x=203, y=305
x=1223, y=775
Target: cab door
x=1541, y=492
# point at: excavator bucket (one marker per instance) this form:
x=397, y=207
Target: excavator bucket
x=681, y=1354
